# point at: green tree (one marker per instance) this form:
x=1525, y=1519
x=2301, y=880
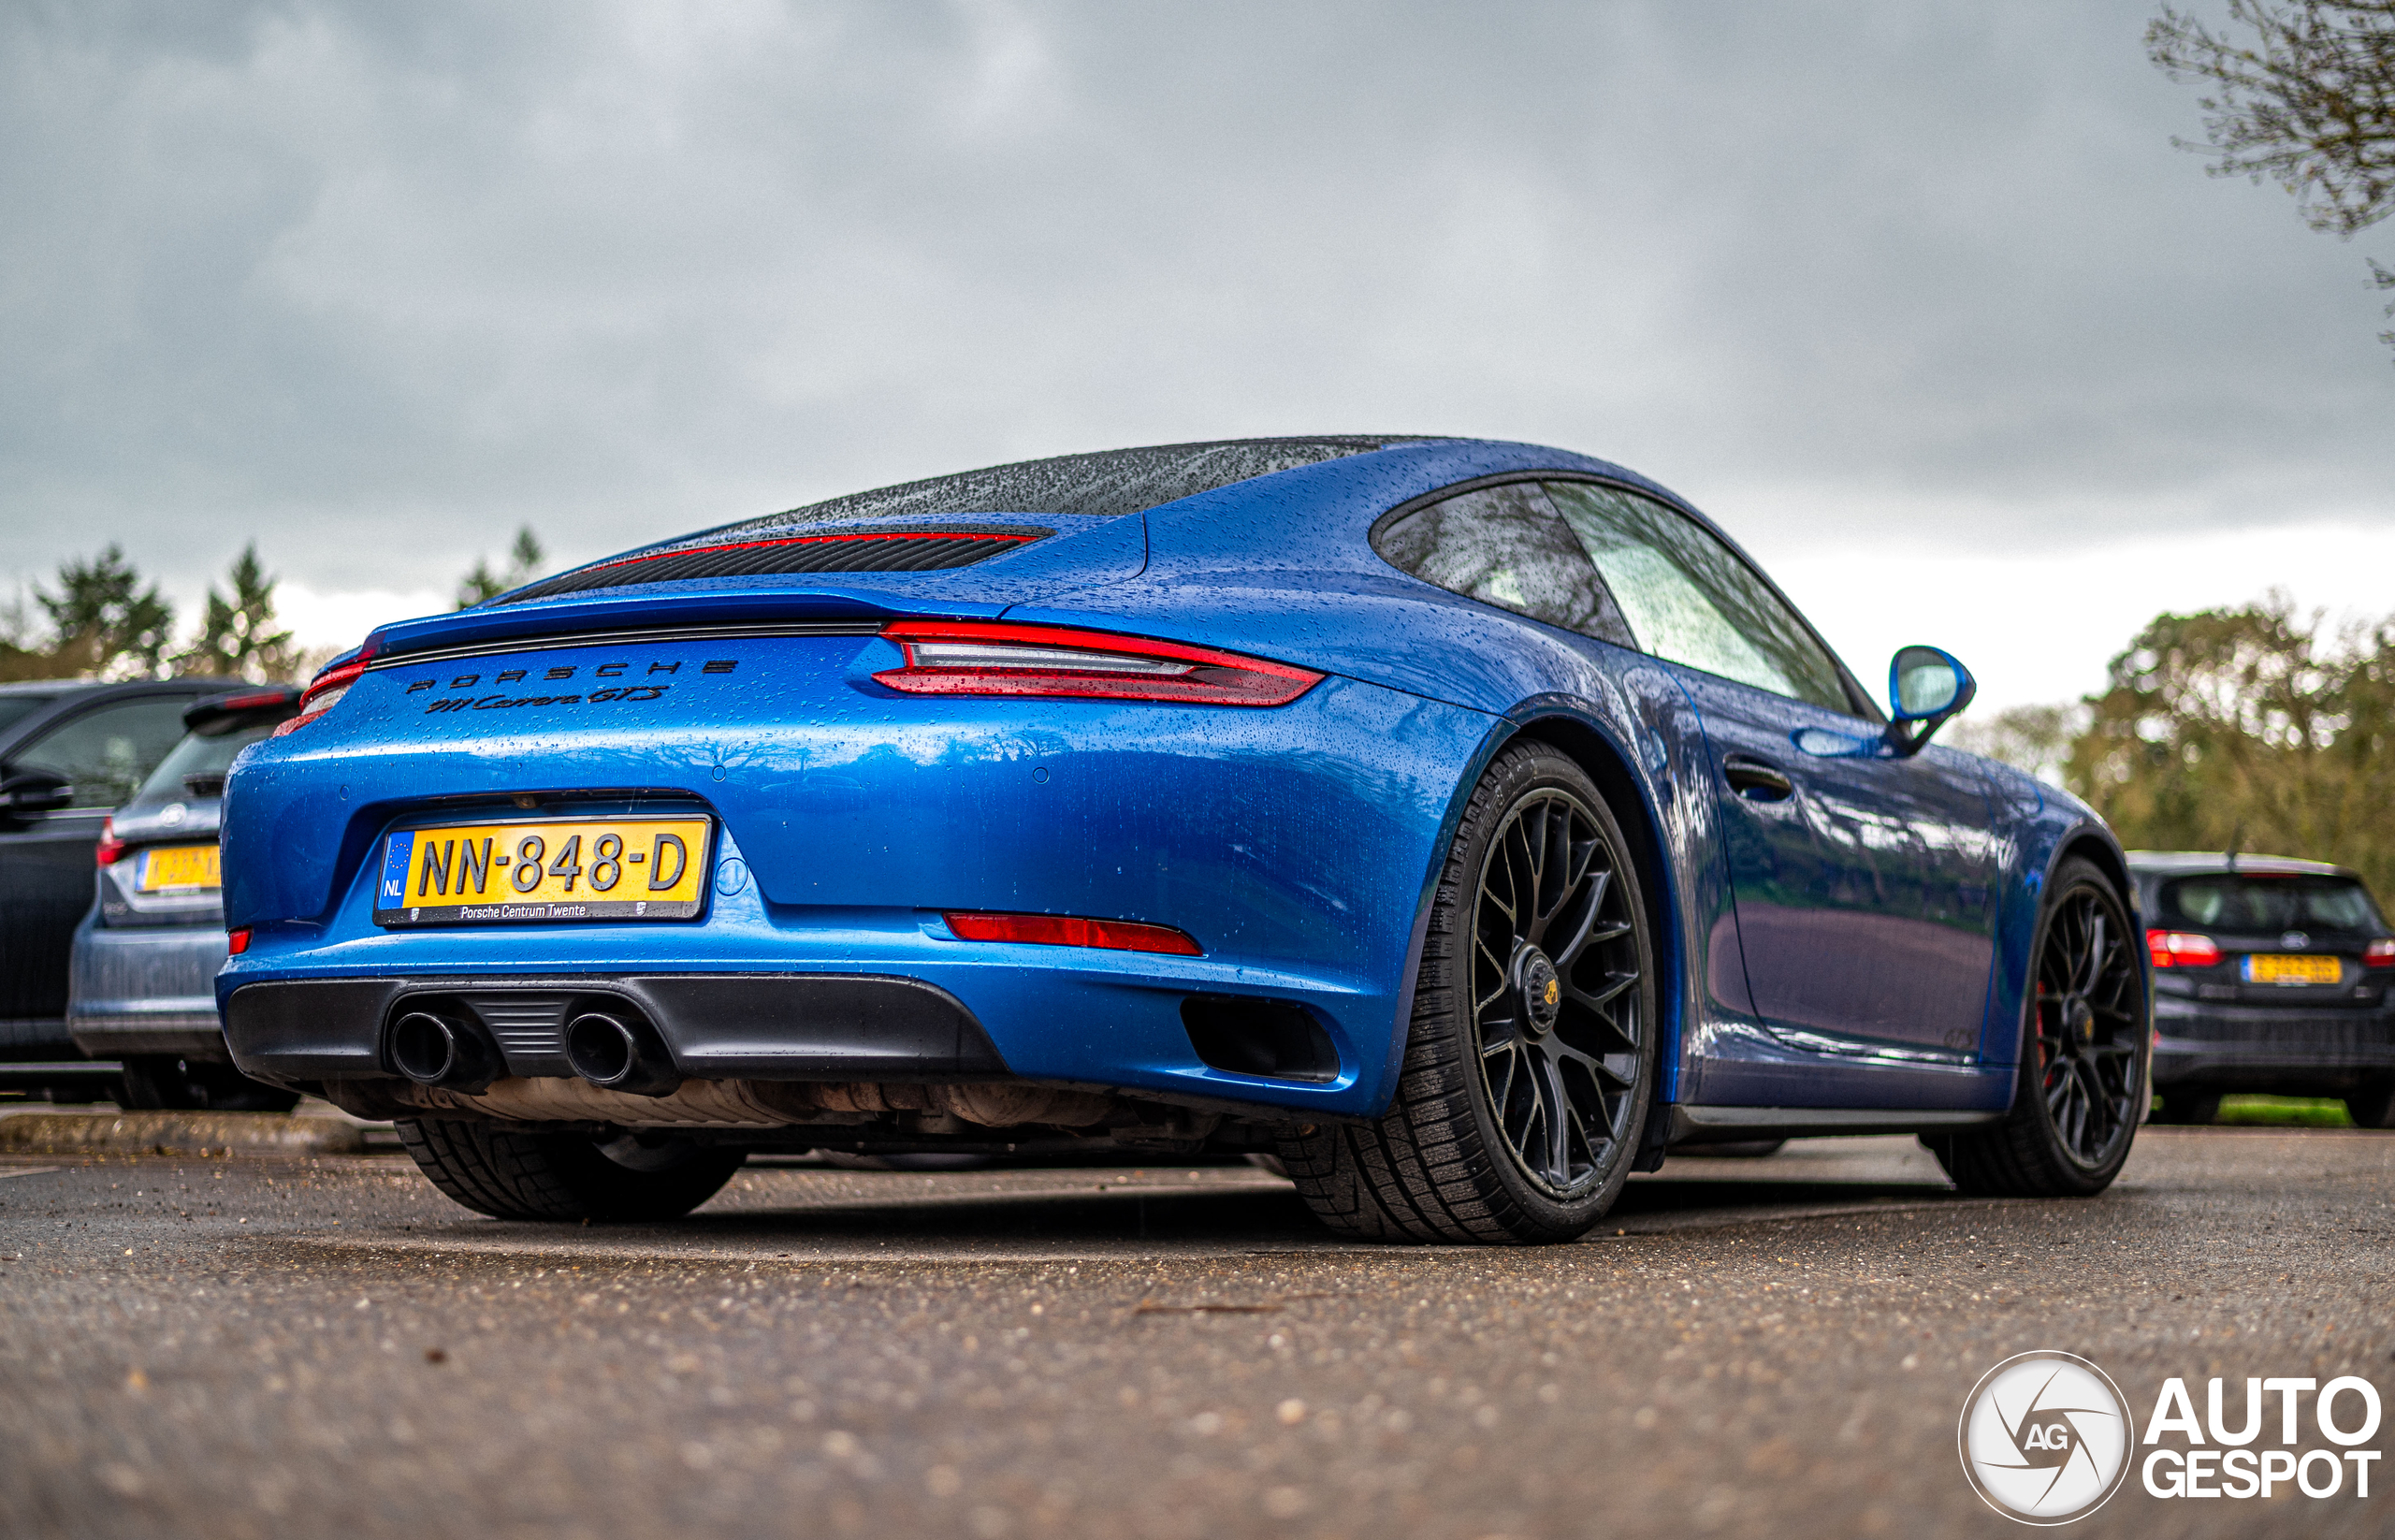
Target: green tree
x=238, y=636
x=104, y=621
x=2302, y=94
x=2248, y=728
x=482, y=585
x=2035, y=738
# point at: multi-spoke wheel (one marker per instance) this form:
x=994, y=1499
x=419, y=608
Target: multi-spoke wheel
x=1529, y=1059
x=2086, y=1037
x=1555, y=973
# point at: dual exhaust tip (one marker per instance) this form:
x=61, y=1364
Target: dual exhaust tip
x=614, y=1050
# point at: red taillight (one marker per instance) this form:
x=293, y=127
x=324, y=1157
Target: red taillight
x=237, y=941
x=110, y=850
x=2379, y=954
x=971, y=658
x=1065, y=930
x=2182, y=949
x=326, y=694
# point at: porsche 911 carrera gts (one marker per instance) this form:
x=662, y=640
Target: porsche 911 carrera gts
x=1466, y=824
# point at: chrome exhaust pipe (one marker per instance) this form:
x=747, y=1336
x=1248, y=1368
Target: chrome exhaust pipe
x=432, y=1050
x=620, y=1053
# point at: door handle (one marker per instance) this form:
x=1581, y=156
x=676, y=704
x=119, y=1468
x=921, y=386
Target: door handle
x=1757, y=780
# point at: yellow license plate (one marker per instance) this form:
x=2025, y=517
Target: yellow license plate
x=2264, y=967
x=167, y=868
x=544, y=871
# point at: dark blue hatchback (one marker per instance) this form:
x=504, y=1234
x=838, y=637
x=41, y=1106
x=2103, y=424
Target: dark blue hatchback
x=1466, y=823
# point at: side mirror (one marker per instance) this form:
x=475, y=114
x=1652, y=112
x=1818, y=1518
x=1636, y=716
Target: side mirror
x=23, y=792
x=1925, y=685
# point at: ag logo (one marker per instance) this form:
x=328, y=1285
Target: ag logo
x=2045, y=1438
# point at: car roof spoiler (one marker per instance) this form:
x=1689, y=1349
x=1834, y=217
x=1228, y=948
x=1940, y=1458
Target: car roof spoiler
x=269, y=703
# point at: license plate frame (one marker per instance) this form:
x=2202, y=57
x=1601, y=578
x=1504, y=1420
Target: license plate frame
x=202, y=864
x=2291, y=968
x=465, y=874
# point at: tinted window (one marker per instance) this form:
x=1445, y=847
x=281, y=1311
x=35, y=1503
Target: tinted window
x=1505, y=546
x=108, y=751
x=16, y=707
x=1688, y=598
x=2234, y=903
x=203, y=755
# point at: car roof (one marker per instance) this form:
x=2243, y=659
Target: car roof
x=64, y=697
x=1105, y=484
x=2185, y=862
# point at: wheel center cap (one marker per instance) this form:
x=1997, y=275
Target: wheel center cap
x=1541, y=989
x=2079, y=1018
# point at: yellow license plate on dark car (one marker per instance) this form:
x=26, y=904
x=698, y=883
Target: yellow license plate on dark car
x=544, y=871
x=169, y=868
x=2264, y=967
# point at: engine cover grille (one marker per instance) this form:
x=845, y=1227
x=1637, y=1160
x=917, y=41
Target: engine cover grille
x=858, y=551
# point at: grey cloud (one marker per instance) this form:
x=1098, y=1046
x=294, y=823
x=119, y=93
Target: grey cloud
x=374, y=283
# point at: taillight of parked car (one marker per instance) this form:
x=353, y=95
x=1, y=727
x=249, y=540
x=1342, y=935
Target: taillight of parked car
x=2379, y=954
x=1069, y=930
x=2182, y=949
x=324, y=694
x=110, y=850
x=237, y=941
x=974, y=658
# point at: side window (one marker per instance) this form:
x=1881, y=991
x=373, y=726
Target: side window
x=1691, y=600
x=1507, y=547
x=108, y=751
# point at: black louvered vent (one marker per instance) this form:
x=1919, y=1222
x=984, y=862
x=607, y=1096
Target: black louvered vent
x=863, y=551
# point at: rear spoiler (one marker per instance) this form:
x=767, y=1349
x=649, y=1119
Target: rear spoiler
x=265, y=702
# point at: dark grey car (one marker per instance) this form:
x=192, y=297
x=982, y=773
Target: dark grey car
x=2271, y=975
x=70, y=750
x=147, y=952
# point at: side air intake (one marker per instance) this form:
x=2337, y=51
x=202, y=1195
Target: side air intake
x=860, y=551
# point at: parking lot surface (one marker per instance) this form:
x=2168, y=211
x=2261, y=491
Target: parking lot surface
x=280, y=1347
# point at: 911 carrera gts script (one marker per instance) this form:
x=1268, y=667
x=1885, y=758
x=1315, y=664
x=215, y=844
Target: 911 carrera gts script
x=610, y=693
x=507, y=703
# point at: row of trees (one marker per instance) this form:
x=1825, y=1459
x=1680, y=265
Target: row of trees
x=2256, y=728
x=99, y=620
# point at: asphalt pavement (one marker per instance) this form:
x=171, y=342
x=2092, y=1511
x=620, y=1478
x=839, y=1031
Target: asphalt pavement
x=1780, y=1348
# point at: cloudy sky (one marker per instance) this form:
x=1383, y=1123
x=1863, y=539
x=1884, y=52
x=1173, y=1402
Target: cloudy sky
x=1915, y=296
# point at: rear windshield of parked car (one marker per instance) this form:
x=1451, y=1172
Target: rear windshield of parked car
x=205, y=758
x=2258, y=903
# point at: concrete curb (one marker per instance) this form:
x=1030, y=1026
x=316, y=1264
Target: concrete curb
x=177, y=1133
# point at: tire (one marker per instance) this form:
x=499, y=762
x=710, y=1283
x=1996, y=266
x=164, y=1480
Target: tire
x=1470, y=1149
x=2374, y=1105
x=513, y=1173
x=2086, y=1034
x=165, y=1083
x=2188, y=1107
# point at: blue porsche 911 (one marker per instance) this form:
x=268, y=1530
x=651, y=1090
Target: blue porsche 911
x=1465, y=823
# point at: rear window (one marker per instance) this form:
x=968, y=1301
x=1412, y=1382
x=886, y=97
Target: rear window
x=205, y=757
x=2234, y=903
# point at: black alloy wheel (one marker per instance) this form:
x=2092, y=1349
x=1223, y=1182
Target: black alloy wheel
x=2086, y=1036
x=1555, y=970
x=1529, y=1054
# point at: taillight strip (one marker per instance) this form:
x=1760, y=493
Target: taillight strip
x=991, y=658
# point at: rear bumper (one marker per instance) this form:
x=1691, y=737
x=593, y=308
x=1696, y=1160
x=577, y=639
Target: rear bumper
x=147, y=989
x=718, y=1027
x=2229, y=1048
